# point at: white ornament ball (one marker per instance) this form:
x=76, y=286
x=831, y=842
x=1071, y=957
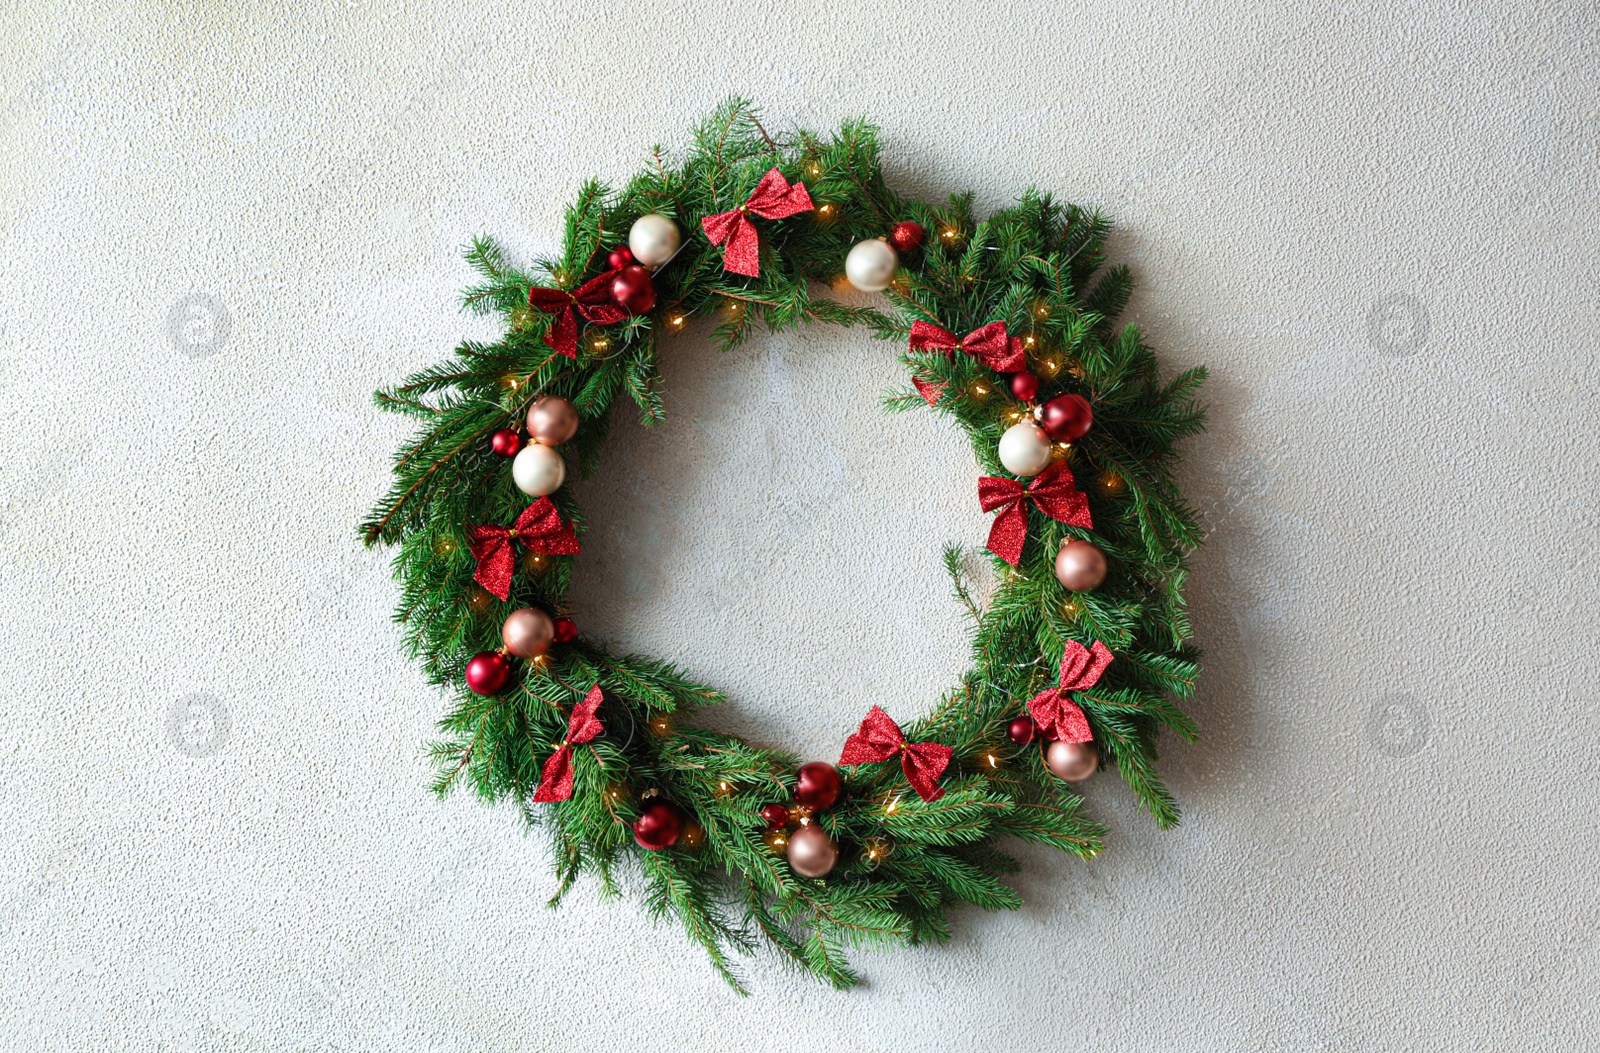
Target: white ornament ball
x=1024, y=449
x=871, y=265
x=653, y=239
x=538, y=471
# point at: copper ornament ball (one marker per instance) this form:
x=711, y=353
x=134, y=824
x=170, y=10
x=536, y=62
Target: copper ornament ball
x=817, y=785
x=552, y=420
x=811, y=852
x=1080, y=566
x=528, y=632
x=1072, y=761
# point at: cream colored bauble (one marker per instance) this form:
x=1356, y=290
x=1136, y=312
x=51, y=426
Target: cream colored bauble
x=538, y=471
x=871, y=265
x=1024, y=449
x=653, y=239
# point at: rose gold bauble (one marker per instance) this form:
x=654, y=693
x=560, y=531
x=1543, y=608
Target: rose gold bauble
x=528, y=632
x=811, y=853
x=1080, y=566
x=1072, y=761
x=552, y=420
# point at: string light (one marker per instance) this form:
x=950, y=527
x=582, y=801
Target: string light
x=992, y=760
x=816, y=169
x=950, y=234
x=724, y=788
x=1111, y=482
x=511, y=382
x=1050, y=367
x=980, y=390
x=1041, y=309
x=596, y=342
x=1071, y=609
x=616, y=793
x=479, y=600
x=876, y=851
x=693, y=836
x=892, y=807
x=777, y=841
x=676, y=322
x=1028, y=341
x=661, y=725
x=444, y=545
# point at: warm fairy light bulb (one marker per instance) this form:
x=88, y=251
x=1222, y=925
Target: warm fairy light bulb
x=1042, y=310
x=1050, y=366
x=677, y=321
x=1111, y=482
x=816, y=169
x=661, y=726
x=444, y=546
x=991, y=760
x=980, y=389
x=892, y=807
x=479, y=600
x=1028, y=340
x=1071, y=608
x=777, y=841
x=949, y=234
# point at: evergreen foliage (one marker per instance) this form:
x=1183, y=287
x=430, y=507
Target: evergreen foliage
x=1039, y=266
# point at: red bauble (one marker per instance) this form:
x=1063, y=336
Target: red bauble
x=1022, y=730
x=775, y=815
x=1024, y=386
x=488, y=672
x=817, y=785
x=505, y=442
x=620, y=257
x=633, y=289
x=1066, y=418
x=566, y=630
x=906, y=236
x=658, y=826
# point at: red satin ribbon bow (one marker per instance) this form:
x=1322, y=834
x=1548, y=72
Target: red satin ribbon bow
x=1055, y=713
x=539, y=528
x=1052, y=490
x=592, y=300
x=555, y=781
x=880, y=739
x=988, y=344
x=773, y=198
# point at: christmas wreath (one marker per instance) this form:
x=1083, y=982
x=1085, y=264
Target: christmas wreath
x=1080, y=650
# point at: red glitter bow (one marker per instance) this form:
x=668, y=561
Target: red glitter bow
x=988, y=344
x=539, y=528
x=773, y=198
x=555, y=781
x=1052, y=490
x=592, y=300
x=880, y=739
x=1055, y=713
x=930, y=390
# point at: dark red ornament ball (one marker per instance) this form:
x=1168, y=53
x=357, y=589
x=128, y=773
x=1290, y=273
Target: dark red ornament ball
x=566, y=630
x=1022, y=730
x=1024, y=386
x=658, y=826
x=906, y=236
x=505, y=442
x=775, y=815
x=817, y=785
x=633, y=290
x=488, y=672
x=620, y=257
x=1066, y=418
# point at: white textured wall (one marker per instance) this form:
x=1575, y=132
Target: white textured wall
x=1375, y=224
